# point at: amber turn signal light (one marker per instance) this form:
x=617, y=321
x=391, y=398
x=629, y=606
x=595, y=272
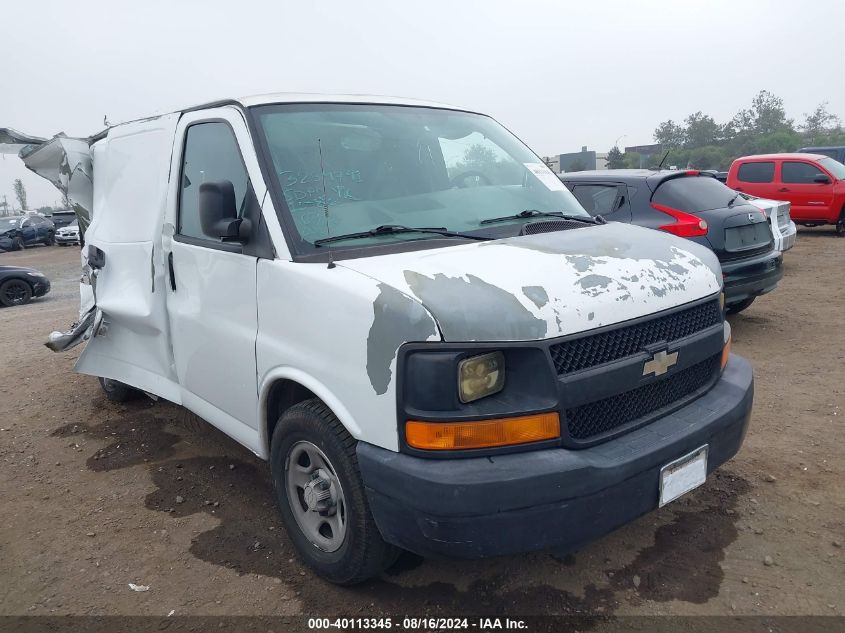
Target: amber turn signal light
x=726, y=351
x=444, y=436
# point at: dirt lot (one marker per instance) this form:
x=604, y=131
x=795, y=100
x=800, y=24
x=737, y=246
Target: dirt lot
x=90, y=494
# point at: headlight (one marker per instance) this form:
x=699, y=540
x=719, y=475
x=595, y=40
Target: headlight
x=481, y=376
x=722, y=300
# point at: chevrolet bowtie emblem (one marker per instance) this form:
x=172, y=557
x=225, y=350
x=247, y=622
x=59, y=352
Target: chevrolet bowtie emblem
x=660, y=363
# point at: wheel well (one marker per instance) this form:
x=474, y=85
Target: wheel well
x=283, y=395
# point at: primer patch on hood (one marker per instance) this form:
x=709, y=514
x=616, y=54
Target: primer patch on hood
x=470, y=309
x=397, y=319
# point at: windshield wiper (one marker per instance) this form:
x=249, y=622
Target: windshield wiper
x=393, y=229
x=533, y=213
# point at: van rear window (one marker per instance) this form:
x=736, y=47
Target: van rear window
x=756, y=172
x=693, y=194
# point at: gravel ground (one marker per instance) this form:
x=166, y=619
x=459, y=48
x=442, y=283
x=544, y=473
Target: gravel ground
x=96, y=495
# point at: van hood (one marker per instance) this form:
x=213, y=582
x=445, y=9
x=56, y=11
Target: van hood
x=548, y=285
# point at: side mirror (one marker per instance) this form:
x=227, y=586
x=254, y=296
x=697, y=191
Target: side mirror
x=821, y=179
x=218, y=213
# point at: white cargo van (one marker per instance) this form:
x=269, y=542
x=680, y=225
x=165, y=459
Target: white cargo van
x=405, y=311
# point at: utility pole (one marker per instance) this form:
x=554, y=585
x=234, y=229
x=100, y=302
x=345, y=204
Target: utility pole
x=5, y=206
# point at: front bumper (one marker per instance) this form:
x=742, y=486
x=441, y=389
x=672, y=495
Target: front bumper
x=752, y=277
x=547, y=499
x=40, y=286
x=6, y=244
x=67, y=239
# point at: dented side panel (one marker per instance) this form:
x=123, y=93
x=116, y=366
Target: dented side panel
x=129, y=201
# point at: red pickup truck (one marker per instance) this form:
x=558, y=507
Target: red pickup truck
x=813, y=183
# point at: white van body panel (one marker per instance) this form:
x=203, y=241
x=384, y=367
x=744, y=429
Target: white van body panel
x=130, y=193
x=321, y=325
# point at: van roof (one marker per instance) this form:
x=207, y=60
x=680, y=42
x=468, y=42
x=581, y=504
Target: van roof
x=302, y=97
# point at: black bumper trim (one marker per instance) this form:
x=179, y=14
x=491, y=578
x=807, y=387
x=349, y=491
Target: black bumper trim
x=553, y=498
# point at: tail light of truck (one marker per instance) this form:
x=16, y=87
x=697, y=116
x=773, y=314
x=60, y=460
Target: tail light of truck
x=446, y=436
x=685, y=224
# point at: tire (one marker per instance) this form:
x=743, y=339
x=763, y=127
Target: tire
x=840, y=225
x=62, y=244
x=51, y=240
x=309, y=441
x=15, y=292
x=117, y=391
x=736, y=308
x=18, y=244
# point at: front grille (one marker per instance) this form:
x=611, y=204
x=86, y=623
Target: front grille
x=589, y=351
x=606, y=415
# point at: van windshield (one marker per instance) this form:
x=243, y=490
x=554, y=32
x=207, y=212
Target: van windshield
x=376, y=165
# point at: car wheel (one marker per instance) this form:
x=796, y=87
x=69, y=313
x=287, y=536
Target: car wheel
x=736, y=308
x=51, y=240
x=15, y=292
x=318, y=487
x=18, y=244
x=117, y=391
x=840, y=225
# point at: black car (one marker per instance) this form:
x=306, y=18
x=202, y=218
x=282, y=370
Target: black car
x=836, y=152
x=20, y=231
x=694, y=205
x=18, y=285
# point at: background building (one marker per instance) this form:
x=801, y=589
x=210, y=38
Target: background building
x=577, y=161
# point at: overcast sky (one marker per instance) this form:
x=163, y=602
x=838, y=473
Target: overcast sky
x=558, y=74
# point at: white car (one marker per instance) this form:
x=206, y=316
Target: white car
x=69, y=234
x=404, y=310
x=783, y=228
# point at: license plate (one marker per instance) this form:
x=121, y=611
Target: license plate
x=682, y=475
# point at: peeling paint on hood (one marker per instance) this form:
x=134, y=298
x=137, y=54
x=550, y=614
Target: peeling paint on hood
x=548, y=285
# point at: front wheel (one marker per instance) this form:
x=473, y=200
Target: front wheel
x=840, y=225
x=18, y=244
x=321, y=497
x=15, y=292
x=51, y=240
x=736, y=308
x=117, y=391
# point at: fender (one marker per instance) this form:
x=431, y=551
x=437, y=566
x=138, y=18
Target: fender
x=286, y=372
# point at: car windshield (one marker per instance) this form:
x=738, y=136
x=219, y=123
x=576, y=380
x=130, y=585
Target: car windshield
x=834, y=167
x=376, y=165
x=7, y=222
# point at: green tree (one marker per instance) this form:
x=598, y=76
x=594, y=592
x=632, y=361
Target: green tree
x=20, y=193
x=701, y=130
x=766, y=115
x=631, y=160
x=615, y=159
x=820, y=125
x=707, y=157
x=670, y=134
x=479, y=157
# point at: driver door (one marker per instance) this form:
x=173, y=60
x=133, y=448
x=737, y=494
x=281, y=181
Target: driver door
x=212, y=292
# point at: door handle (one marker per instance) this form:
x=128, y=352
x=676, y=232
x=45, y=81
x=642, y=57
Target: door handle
x=170, y=270
x=782, y=189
